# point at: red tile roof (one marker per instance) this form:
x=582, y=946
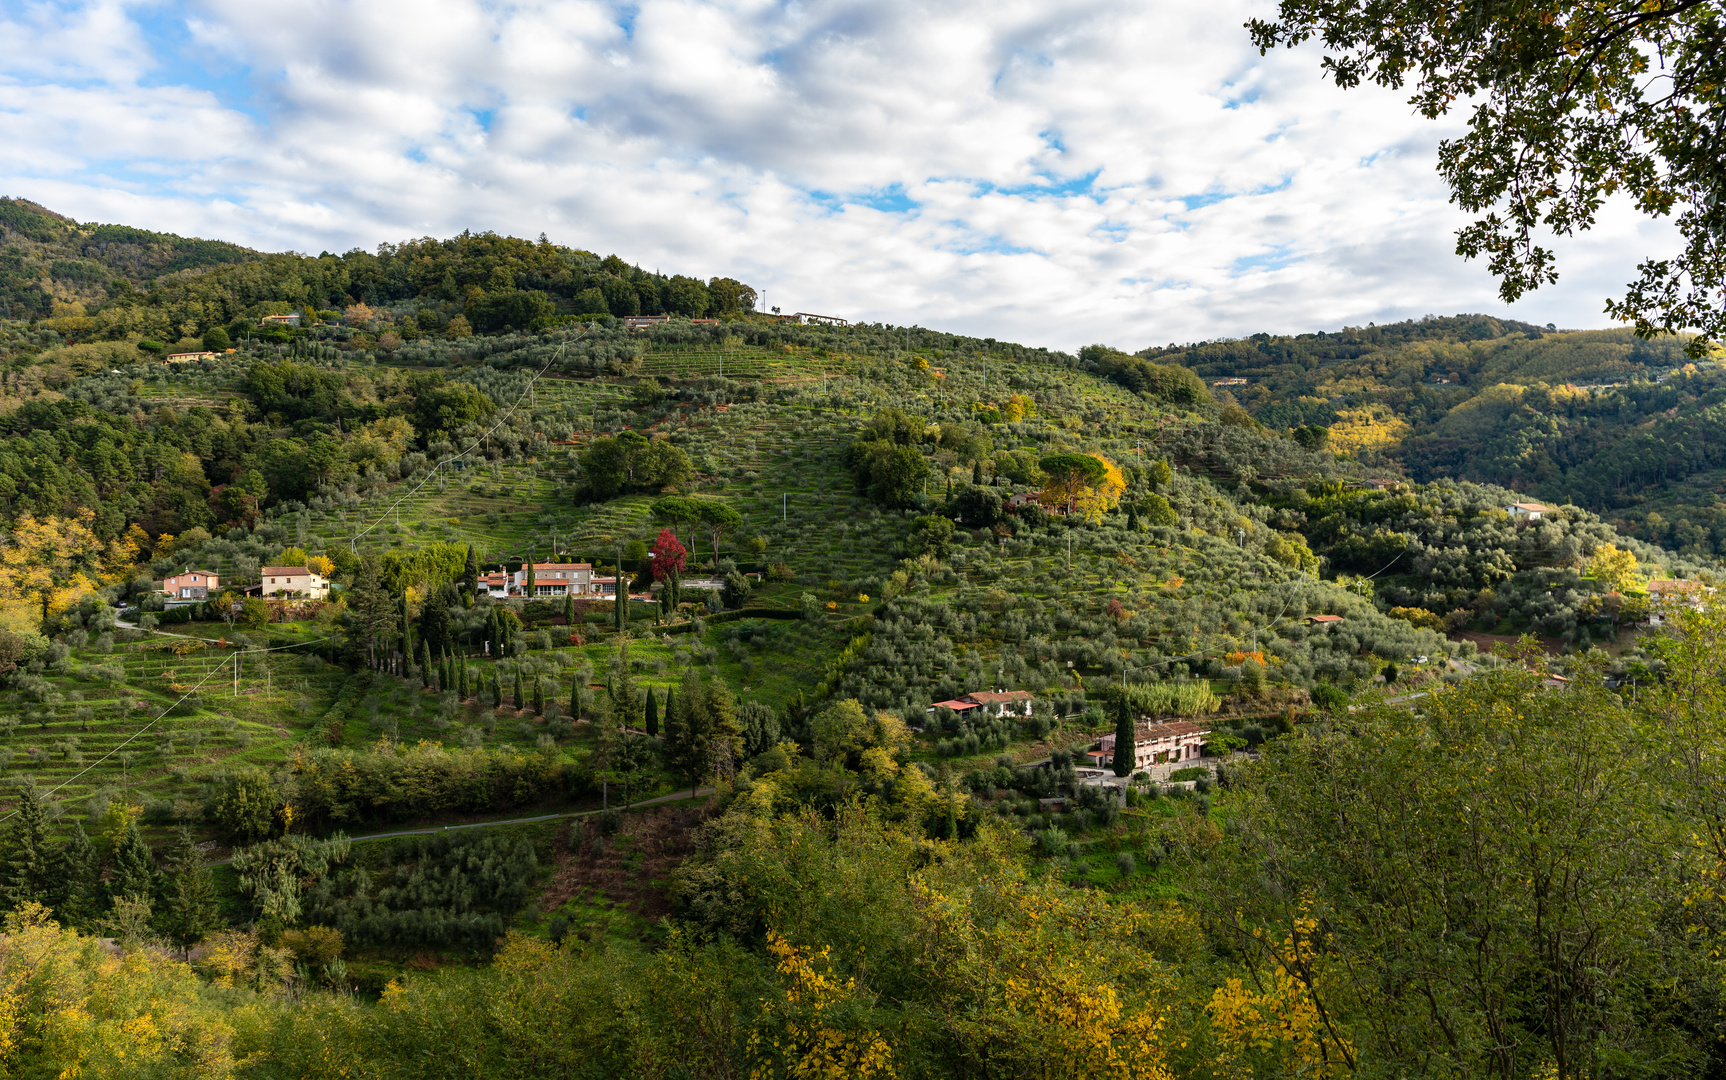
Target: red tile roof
x=285, y=571
x=956, y=705
x=992, y=697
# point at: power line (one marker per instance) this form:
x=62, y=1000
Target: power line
x=353, y=541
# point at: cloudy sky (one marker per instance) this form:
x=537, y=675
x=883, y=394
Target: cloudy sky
x=1056, y=173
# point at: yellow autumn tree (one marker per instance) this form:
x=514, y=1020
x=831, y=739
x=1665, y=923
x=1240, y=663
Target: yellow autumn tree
x=1371, y=427
x=49, y=564
x=1614, y=568
x=1050, y=982
x=816, y=1026
x=1085, y=484
x=69, y=1008
x=1268, y=1023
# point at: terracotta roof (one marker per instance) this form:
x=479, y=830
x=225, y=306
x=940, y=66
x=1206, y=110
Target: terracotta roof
x=1324, y=618
x=992, y=697
x=537, y=567
x=1148, y=733
x=1664, y=585
x=1169, y=730
x=183, y=573
x=956, y=705
x=1536, y=507
x=285, y=571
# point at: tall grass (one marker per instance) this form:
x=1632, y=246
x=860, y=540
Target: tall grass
x=1180, y=698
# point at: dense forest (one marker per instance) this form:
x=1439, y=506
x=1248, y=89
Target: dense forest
x=1602, y=419
x=731, y=817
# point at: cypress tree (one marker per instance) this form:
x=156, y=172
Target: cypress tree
x=1126, y=753
x=134, y=866
x=190, y=910
x=1132, y=519
x=494, y=646
x=977, y=472
x=652, y=714
x=427, y=675
x=620, y=616
x=496, y=690
x=520, y=700
x=76, y=897
x=27, y=855
x=538, y=696
x=463, y=676
x=470, y=575
x=407, y=630
x=527, y=582
x=673, y=728
x=569, y=610
x=575, y=699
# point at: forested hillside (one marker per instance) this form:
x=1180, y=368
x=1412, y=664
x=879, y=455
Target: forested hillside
x=107, y=282
x=1628, y=428
x=820, y=539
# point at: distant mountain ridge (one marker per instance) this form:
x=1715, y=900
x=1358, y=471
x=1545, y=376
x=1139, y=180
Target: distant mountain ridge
x=45, y=256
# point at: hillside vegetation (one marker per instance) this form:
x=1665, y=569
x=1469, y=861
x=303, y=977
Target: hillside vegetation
x=1626, y=427
x=846, y=526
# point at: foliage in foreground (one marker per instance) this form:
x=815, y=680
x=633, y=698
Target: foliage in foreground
x=1515, y=881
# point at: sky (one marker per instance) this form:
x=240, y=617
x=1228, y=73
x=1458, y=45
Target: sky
x=1129, y=173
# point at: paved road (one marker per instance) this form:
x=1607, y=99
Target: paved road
x=699, y=792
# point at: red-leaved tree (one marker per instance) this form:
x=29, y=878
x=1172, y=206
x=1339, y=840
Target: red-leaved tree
x=668, y=555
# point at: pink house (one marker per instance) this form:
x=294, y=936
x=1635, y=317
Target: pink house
x=1156, y=744
x=191, y=585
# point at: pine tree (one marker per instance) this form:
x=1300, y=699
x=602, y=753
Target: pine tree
x=704, y=718
x=520, y=699
x=26, y=852
x=134, y=866
x=1126, y=753
x=189, y=912
x=76, y=895
x=652, y=714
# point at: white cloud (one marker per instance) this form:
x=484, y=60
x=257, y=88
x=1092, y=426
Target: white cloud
x=1052, y=173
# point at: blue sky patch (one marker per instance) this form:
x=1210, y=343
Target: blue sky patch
x=182, y=61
